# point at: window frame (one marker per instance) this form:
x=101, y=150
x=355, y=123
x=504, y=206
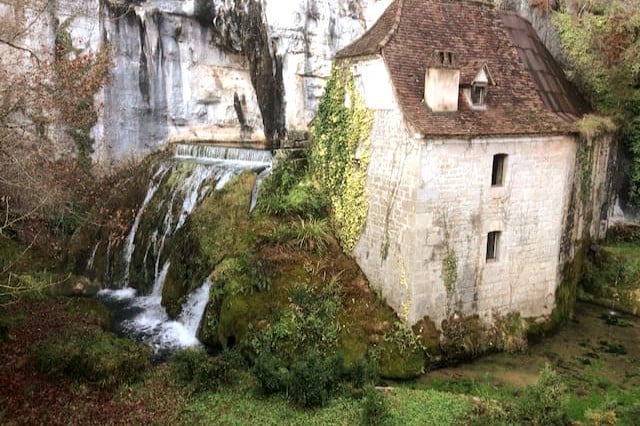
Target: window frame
x=499, y=169
x=478, y=95
x=493, y=246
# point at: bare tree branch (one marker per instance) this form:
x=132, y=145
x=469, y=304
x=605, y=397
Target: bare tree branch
x=24, y=49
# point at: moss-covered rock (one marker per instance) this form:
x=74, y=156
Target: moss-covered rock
x=298, y=287
x=219, y=228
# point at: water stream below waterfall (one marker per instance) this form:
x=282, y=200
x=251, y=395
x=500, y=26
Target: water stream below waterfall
x=140, y=313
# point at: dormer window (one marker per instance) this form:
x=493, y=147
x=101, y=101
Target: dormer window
x=478, y=94
x=478, y=89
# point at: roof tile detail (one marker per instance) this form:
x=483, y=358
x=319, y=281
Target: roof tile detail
x=530, y=94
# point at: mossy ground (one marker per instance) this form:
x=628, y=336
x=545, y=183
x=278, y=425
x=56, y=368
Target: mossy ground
x=611, y=276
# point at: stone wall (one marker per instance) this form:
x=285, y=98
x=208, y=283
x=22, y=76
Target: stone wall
x=432, y=205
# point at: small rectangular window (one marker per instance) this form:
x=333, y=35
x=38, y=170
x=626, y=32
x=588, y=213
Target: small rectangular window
x=497, y=171
x=478, y=94
x=493, y=242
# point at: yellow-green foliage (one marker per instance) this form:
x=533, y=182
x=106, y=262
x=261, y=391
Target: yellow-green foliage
x=588, y=69
x=602, y=48
x=612, y=274
x=591, y=126
x=340, y=154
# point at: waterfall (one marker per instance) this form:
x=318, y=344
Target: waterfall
x=158, y=283
x=92, y=257
x=194, y=308
x=130, y=245
x=206, y=152
x=176, y=189
x=256, y=188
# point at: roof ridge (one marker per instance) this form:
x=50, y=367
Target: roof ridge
x=394, y=27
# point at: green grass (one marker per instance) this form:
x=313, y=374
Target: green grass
x=242, y=404
x=427, y=407
x=595, y=393
x=477, y=388
x=91, y=355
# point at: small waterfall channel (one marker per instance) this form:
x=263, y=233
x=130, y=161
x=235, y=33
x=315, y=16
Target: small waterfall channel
x=178, y=186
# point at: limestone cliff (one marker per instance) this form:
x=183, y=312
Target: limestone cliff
x=233, y=71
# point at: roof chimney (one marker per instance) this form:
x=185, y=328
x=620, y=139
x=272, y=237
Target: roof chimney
x=442, y=82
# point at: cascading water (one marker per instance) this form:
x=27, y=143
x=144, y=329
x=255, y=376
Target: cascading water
x=92, y=258
x=128, y=252
x=176, y=189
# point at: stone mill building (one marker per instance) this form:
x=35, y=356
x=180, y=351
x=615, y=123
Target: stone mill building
x=482, y=191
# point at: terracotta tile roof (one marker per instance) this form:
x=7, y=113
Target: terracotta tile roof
x=530, y=95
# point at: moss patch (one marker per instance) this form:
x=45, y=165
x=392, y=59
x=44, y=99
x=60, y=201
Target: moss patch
x=219, y=228
x=612, y=276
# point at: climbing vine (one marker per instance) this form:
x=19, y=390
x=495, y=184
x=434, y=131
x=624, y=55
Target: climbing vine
x=590, y=127
x=449, y=265
x=585, y=154
x=78, y=77
x=340, y=154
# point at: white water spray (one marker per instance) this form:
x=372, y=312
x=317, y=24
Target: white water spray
x=130, y=243
x=92, y=258
x=147, y=318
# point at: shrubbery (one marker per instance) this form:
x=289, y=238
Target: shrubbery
x=375, y=408
x=295, y=354
x=542, y=403
x=99, y=357
x=314, y=378
x=201, y=372
x=289, y=191
x=271, y=372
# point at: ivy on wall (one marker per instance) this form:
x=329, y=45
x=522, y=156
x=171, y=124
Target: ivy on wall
x=340, y=154
x=590, y=128
x=449, y=266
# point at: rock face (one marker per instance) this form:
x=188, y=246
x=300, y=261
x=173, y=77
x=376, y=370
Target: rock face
x=232, y=71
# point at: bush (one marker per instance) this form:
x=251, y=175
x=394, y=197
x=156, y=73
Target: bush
x=363, y=373
x=307, y=323
x=201, y=372
x=101, y=358
x=288, y=192
x=314, y=379
x=271, y=373
x=542, y=403
x=375, y=408
x=308, y=382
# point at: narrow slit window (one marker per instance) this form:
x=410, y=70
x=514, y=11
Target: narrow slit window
x=498, y=169
x=478, y=94
x=493, y=243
